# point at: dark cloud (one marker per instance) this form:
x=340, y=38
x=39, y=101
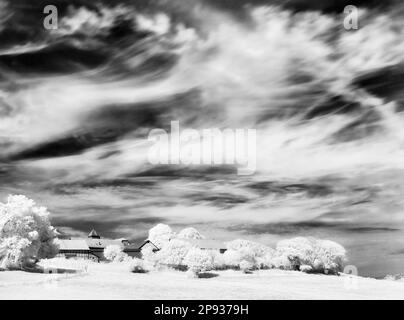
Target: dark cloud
x=364, y=126
x=136, y=183
x=334, y=105
x=221, y=200
x=386, y=83
x=372, y=229
x=307, y=228
x=202, y=172
x=58, y=58
x=273, y=187
x=335, y=6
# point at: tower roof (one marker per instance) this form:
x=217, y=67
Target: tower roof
x=93, y=234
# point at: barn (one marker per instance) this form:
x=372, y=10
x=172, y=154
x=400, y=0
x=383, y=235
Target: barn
x=76, y=248
x=93, y=246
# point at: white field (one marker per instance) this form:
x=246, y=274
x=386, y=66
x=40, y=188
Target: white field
x=114, y=281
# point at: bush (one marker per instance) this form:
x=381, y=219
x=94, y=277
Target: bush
x=114, y=253
x=306, y=268
x=246, y=266
x=189, y=233
x=198, y=261
x=160, y=235
x=26, y=234
x=138, y=266
x=394, y=277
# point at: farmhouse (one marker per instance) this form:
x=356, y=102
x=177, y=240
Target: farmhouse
x=134, y=249
x=93, y=246
x=75, y=248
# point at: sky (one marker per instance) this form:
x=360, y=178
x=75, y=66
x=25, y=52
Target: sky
x=77, y=104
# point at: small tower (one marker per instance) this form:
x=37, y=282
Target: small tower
x=94, y=235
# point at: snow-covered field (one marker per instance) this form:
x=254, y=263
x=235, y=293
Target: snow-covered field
x=114, y=281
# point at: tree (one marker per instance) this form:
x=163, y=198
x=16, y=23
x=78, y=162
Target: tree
x=26, y=234
x=189, y=233
x=198, y=261
x=281, y=261
x=232, y=258
x=321, y=255
x=173, y=253
x=266, y=261
x=253, y=252
x=160, y=235
x=217, y=259
x=298, y=250
x=257, y=249
x=330, y=256
x=149, y=255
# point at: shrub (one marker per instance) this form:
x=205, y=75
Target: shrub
x=26, y=234
x=246, y=266
x=138, y=266
x=189, y=233
x=114, y=253
x=160, y=235
x=394, y=277
x=306, y=268
x=198, y=261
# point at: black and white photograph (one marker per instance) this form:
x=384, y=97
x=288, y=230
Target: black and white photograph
x=201, y=150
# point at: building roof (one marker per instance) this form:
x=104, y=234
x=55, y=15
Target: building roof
x=149, y=242
x=93, y=234
x=102, y=243
x=207, y=243
x=94, y=241
x=78, y=244
x=139, y=245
